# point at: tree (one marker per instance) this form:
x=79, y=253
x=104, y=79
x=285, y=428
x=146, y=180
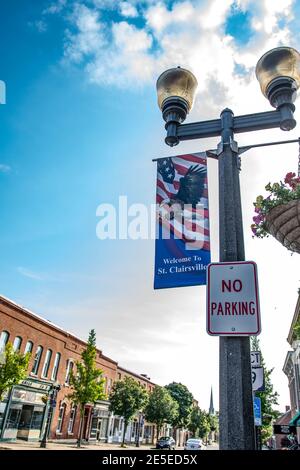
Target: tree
x=126, y=399
x=199, y=423
x=161, y=408
x=213, y=421
x=269, y=398
x=88, y=384
x=204, y=426
x=194, y=422
x=184, y=398
x=13, y=368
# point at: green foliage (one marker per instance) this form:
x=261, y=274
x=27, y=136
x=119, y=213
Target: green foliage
x=126, y=399
x=161, y=408
x=199, y=423
x=88, y=384
x=213, y=422
x=184, y=398
x=279, y=193
x=269, y=398
x=296, y=329
x=13, y=368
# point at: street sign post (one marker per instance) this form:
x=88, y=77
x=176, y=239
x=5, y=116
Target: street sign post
x=258, y=382
x=255, y=358
x=257, y=411
x=232, y=299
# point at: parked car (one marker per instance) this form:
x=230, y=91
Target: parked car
x=194, y=444
x=165, y=443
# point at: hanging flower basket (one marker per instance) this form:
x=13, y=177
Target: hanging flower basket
x=283, y=222
x=279, y=213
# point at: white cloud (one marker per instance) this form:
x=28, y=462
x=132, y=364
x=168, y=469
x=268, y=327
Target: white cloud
x=88, y=38
x=32, y=275
x=55, y=7
x=4, y=168
x=128, y=10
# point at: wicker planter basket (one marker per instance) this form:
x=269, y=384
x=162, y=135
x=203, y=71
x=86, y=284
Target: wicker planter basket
x=283, y=222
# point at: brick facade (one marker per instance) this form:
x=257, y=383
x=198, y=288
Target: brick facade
x=19, y=321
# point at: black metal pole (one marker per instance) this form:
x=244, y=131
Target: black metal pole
x=236, y=408
x=137, y=443
x=43, y=444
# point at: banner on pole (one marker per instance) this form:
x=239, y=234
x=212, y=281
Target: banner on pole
x=182, y=245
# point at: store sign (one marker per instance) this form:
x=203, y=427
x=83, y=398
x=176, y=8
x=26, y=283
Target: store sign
x=284, y=429
x=37, y=385
x=27, y=396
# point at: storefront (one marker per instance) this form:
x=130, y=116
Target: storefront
x=100, y=422
x=23, y=411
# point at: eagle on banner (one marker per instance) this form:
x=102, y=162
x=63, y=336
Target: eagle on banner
x=191, y=185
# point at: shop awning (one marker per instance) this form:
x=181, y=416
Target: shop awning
x=295, y=421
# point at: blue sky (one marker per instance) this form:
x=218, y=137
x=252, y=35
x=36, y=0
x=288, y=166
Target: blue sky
x=81, y=126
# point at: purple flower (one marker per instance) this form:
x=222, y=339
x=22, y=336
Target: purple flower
x=254, y=230
x=257, y=210
x=257, y=219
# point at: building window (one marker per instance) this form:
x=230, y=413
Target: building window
x=56, y=366
x=61, y=416
x=28, y=347
x=47, y=363
x=37, y=360
x=17, y=343
x=119, y=376
x=109, y=385
x=70, y=365
x=3, y=339
x=72, y=419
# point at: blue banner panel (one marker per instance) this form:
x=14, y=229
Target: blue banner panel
x=182, y=245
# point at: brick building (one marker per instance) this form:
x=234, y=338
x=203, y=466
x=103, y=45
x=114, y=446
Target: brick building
x=25, y=412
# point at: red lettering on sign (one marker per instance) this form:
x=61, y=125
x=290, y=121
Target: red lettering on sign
x=236, y=285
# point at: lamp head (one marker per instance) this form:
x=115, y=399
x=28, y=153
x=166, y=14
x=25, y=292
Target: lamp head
x=175, y=92
x=278, y=73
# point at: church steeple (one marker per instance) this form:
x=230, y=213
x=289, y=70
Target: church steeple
x=211, y=405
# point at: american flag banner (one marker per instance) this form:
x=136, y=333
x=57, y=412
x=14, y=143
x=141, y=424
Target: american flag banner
x=182, y=246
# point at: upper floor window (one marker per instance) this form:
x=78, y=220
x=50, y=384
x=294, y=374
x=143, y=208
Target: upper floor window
x=17, y=343
x=28, y=347
x=3, y=339
x=37, y=360
x=47, y=363
x=55, y=366
x=70, y=365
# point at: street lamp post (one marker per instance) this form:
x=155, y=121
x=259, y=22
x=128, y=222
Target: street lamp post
x=52, y=403
x=278, y=72
x=137, y=442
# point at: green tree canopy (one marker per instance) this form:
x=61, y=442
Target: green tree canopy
x=184, y=398
x=269, y=397
x=13, y=368
x=199, y=423
x=126, y=399
x=87, y=384
x=161, y=408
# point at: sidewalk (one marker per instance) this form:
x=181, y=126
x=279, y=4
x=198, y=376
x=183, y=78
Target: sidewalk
x=24, y=445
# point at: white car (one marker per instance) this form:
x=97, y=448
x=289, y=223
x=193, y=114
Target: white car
x=194, y=444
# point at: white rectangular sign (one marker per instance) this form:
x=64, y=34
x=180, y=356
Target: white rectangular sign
x=258, y=384
x=255, y=359
x=232, y=299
